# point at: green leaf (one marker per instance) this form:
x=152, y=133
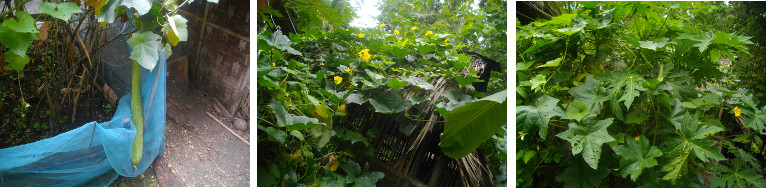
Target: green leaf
x=551, y=63
x=15, y=62
x=654, y=45
x=464, y=81
x=537, y=116
x=636, y=117
x=577, y=110
x=375, y=76
x=624, y=86
x=691, y=137
x=702, y=41
x=276, y=135
x=420, y=83
x=456, y=99
x=178, y=30
x=368, y=179
x=538, y=81
x=755, y=120
x=280, y=42
x=471, y=124
x=388, y=103
x=107, y=13
x=739, y=175
x=141, y=6
x=145, y=49
x=529, y=155
x=579, y=175
x=396, y=84
x=17, y=33
x=297, y=134
x=61, y=11
x=587, y=137
x=636, y=156
x=591, y=93
x=424, y=49
x=562, y=19
x=292, y=122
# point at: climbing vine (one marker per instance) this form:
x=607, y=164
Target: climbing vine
x=634, y=94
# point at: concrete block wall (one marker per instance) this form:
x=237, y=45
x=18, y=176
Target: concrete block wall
x=218, y=51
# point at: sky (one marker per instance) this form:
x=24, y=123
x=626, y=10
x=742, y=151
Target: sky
x=366, y=10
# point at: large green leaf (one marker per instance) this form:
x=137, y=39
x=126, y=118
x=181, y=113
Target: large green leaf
x=537, y=116
x=471, y=124
x=678, y=165
x=388, y=103
x=395, y=84
x=636, y=156
x=739, y=175
x=15, y=62
x=691, y=137
x=591, y=93
x=587, y=137
x=624, y=86
x=145, y=49
x=61, y=11
x=551, y=63
x=456, y=99
x=17, y=33
x=292, y=122
x=562, y=19
x=755, y=120
x=654, y=45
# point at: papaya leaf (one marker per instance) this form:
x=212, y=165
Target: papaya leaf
x=292, y=122
x=739, y=175
x=591, y=93
x=587, y=137
x=624, y=86
x=468, y=126
x=636, y=117
x=755, y=120
x=61, y=11
x=636, y=156
x=691, y=137
x=537, y=116
x=678, y=165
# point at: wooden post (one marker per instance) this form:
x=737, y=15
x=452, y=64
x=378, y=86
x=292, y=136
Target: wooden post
x=437, y=173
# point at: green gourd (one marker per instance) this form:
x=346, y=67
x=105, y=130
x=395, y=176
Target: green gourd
x=137, y=115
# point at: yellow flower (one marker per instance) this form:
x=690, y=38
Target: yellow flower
x=382, y=25
x=365, y=55
x=348, y=69
x=361, y=35
x=414, y=27
x=446, y=42
x=337, y=79
x=346, y=29
x=342, y=110
x=737, y=112
x=405, y=41
x=273, y=65
x=637, y=137
x=429, y=33
x=396, y=32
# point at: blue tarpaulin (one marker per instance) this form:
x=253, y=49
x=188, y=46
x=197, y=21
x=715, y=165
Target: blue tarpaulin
x=95, y=153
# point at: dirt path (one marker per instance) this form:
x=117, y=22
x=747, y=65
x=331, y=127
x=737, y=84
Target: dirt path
x=198, y=151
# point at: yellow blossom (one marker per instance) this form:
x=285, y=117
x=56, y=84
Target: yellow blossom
x=414, y=27
x=446, y=42
x=348, y=69
x=429, y=33
x=337, y=79
x=342, y=110
x=405, y=41
x=396, y=32
x=361, y=35
x=365, y=55
x=346, y=29
x=637, y=137
x=273, y=65
x=382, y=25
x=737, y=112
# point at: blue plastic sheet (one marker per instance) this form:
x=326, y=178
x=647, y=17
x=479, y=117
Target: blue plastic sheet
x=95, y=153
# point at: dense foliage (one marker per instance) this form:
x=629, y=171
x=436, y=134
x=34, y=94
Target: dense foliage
x=309, y=77
x=635, y=94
